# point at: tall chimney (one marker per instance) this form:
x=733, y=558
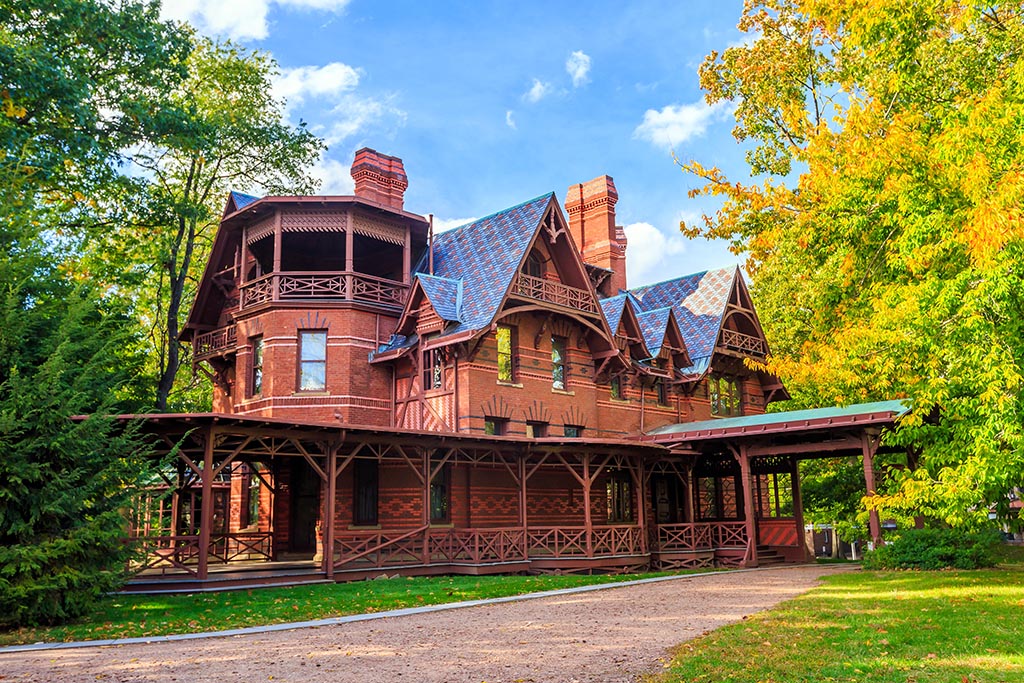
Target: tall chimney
x=379, y=178
x=591, y=209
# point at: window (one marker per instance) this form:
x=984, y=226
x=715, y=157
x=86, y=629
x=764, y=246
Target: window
x=536, y=430
x=250, y=503
x=256, y=377
x=724, y=394
x=365, y=486
x=495, y=426
x=506, y=339
x=312, y=360
x=433, y=369
x=619, y=490
x=573, y=431
x=558, y=370
x=534, y=266
x=440, y=502
x=661, y=392
x=617, y=388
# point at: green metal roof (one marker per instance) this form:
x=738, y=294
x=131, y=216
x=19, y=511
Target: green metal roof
x=792, y=418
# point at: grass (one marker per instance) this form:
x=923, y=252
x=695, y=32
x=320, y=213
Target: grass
x=128, y=616
x=875, y=627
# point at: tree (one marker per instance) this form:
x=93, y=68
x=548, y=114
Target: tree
x=228, y=132
x=884, y=234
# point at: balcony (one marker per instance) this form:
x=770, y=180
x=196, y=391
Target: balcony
x=322, y=286
x=743, y=343
x=218, y=342
x=556, y=293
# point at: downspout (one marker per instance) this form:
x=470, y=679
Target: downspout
x=430, y=245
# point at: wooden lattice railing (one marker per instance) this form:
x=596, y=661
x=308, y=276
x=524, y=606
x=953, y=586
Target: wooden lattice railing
x=163, y=554
x=675, y=537
x=729, y=534
x=241, y=545
x=345, y=286
x=743, y=343
x=215, y=343
x=555, y=293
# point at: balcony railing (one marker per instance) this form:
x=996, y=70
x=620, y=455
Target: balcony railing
x=322, y=286
x=215, y=343
x=744, y=343
x=554, y=293
x=700, y=536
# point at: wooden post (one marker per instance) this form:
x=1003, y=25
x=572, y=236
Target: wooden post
x=798, y=508
x=332, y=492
x=277, y=257
x=523, y=521
x=426, y=505
x=588, y=524
x=641, y=500
x=868, y=451
x=748, y=507
x=691, y=494
x=206, y=505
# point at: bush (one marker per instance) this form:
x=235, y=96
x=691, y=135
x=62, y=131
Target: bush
x=936, y=549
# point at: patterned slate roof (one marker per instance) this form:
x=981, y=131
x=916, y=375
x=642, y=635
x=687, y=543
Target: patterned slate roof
x=445, y=295
x=485, y=255
x=612, y=308
x=699, y=302
x=653, y=325
x=242, y=200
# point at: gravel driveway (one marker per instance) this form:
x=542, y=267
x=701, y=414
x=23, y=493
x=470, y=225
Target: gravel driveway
x=608, y=635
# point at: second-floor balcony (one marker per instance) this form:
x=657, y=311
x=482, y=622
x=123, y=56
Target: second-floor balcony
x=743, y=343
x=220, y=342
x=556, y=293
x=322, y=286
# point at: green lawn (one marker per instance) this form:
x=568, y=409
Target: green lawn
x=875, y=627
x=128, y=616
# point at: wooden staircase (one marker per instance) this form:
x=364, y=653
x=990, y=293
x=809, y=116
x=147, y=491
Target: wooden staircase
x=768, y=556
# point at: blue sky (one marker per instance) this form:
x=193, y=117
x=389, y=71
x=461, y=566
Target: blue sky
x=492, y=103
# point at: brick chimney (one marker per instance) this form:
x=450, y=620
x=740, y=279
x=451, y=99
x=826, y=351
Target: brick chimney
x=379, y=178
x=591, y=209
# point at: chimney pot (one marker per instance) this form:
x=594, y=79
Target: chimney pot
x=379, y=178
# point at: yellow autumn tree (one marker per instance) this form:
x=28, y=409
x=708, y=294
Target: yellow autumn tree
x=884, y=230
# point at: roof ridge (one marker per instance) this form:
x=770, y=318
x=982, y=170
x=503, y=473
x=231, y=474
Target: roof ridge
x=462, y=227
x=681, y=277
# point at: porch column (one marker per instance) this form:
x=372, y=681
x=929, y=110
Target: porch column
x=426, y=506
x=523, y=520
x=691, y=494
x=641, y=503
x=328, y=527
x=277, y=255
x=868, y=448
x=206, y=507
x=798, y=507
x=349, y=261
x=587, y=522
x=748, y=507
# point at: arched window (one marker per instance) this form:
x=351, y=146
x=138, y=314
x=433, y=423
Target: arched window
x=534, y=266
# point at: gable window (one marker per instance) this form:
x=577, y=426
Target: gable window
x=724, y=395
x=495, y=426
x=440, y=492
x=619, y=492
x=617, y=388
x=312, y=360
x=534, y=266
x=536, y=430
x=573, y=431
x=433, y=369
x=661, y=392
x=506, y=338
x=558, y=364
x=365, y=486
x=256, y=376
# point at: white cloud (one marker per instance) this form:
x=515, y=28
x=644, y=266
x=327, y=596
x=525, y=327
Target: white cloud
x=538, y=91
x=237, y=19
x=329, y=81
x=675, y=124
x=510, y=120
x=446, y=224
x=578, y=66
x=650, y=254
x=335, y=177
x=353, y=114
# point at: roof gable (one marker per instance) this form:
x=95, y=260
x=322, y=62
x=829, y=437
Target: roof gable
x=444, y=294
x=654, y=325
x=237, y=201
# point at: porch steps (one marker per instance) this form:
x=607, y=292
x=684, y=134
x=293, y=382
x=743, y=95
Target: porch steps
x=223, y=581
x=768, y=556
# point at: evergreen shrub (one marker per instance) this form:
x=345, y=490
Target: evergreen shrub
x=935, y=549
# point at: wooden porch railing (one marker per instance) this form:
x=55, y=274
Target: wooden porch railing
x=215, y=342
x=744, y=343
x=346, y=286
x=477, y=546
x=241, y=545
x=554, y=293
x=168, y=553
x=729, y=534
x=700, y=536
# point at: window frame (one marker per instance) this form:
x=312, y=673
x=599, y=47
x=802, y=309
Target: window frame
x=615, y=390
x=536, y=430
x=559, y=363
x=573, y=431
x=304, y=362
x=365, y=492
x=510, y=354
x=619, y=498
x=256, y=350
x=441, y=496
x=495, y=426
x=728, y=403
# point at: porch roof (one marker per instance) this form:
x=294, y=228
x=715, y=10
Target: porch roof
x=860, y=414
x=341, y=431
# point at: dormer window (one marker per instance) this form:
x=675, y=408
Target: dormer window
x=725, y=395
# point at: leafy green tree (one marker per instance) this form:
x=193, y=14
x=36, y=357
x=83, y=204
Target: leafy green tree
x=883, y=231
x=228, y=132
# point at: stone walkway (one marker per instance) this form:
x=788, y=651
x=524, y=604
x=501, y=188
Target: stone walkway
x=607, y=635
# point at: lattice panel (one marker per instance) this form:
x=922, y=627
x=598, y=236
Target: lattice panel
x=259, y=230
x=385, y=232
x=313, y=221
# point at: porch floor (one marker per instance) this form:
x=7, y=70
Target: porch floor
x=231, y=576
